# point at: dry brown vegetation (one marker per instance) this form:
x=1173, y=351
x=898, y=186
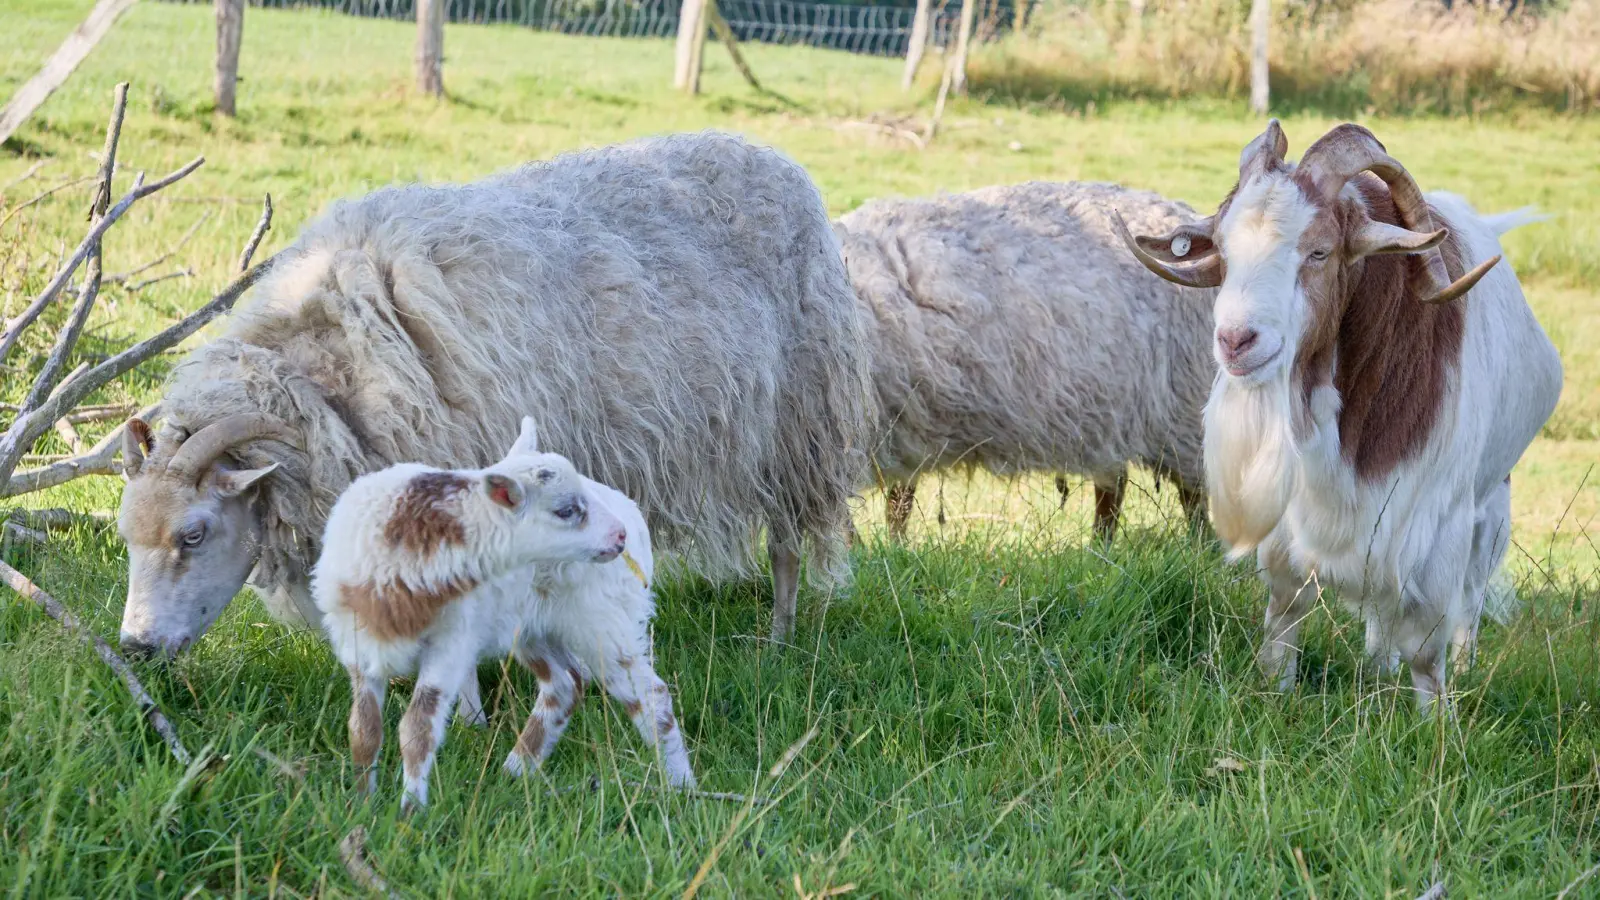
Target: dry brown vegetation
x=1336, y=56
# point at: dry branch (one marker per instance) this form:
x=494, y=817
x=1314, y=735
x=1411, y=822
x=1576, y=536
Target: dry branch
x=52, y=519
x=72, y=51
x=58, y=188
x=725, y=34
x=147, y=705
x=101, y=459
x=262, y=227
x=353, y=850
x=101, y=226
x=32, y=171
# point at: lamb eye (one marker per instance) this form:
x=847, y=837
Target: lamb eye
x=567, y=512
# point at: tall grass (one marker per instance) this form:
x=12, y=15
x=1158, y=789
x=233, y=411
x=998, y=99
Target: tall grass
x=1335, y=56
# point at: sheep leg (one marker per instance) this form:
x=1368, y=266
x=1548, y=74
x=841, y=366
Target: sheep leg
x=1064, y=489
x=560, y=690
x=785, y=589
x=1108, y=507
x=422, y=727
x=1428, y=674
x=648, y=701
x=1288, y=606
x=898, y=502
x=469, y=708
x=366, y=726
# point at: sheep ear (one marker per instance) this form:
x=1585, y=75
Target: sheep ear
x=527, y=440
x=233, y=482
x=1378, y=237
x=504, y=491
x=137, y=443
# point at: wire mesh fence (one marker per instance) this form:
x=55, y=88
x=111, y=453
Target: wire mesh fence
x=876, y=30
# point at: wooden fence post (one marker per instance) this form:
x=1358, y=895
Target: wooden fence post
x=430, y=47
x=1260, y=22
x=230, y=31
x=919, y=43
x=958, y=77
x=72, y=51
x=691, y=46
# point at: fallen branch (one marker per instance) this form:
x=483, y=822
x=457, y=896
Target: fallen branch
x=101, y=459
x=353, y=850
x=262, y=226
x=101, y=226
x=58, y=188
x=52, y=519
x=147, y=705
x=17, y=533
x=32, y=171
x=1435, y=892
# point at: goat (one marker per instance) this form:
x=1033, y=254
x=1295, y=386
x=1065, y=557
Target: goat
x=426, y=571
x=1380, y=375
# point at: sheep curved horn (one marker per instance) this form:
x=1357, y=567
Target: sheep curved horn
x=195, y=455
x=1347, y=151
x=1204, y=272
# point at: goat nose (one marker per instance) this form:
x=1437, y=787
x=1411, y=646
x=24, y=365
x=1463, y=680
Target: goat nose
x=1235, y=341
x=136, y=648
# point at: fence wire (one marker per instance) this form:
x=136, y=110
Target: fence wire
x=875, y=30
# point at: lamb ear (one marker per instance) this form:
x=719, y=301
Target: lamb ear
x=233, y=482
x=137, y=443
x=504, y=491
x=527, y=441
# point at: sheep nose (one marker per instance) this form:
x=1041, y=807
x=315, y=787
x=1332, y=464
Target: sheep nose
x=619, y=538
x=136, y=648
x=1235, y=342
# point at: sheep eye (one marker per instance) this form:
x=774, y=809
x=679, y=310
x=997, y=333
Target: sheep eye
x=193, y=536
x=1319, y=254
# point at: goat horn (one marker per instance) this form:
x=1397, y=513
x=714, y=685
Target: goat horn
x=1347, y=151
x=1464, y=283
x=1204, y=272
x=195, y=455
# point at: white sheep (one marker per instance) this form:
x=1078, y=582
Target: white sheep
x=1010, y=331
x=429, y=570
x=672, y=311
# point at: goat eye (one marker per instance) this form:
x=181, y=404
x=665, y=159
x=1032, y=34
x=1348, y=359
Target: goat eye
x=193, y=537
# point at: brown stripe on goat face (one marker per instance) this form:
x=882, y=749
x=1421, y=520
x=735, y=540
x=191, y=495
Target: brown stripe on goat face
x=396, y=611
x=427, y=516
x=1390, y=356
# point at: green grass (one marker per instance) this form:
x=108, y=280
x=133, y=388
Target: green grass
x=1001, y=709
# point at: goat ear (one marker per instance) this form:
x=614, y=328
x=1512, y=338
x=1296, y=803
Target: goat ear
x=504, y=491
x=137, y=443
x=233, y=482
x=527, y=441
x=1377, y=237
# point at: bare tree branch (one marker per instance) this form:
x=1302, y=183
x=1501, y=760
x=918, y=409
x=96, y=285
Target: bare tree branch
x=140, y=191
x=32, y=171
x=101, y=459
x=57, y=189
x=256, y=236
x=53, y=519
x=147, y=704
x=72, y=51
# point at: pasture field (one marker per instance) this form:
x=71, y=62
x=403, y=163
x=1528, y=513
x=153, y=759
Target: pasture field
x=999, y=708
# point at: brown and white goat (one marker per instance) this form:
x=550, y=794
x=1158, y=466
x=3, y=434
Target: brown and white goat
x=425, y=571
x=1381, y=373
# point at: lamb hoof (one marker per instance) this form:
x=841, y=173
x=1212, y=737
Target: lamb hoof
x=516, y=765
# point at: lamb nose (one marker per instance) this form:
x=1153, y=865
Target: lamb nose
x=1235, y=341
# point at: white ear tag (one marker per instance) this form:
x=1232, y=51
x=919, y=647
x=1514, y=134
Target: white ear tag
x=1180, y=246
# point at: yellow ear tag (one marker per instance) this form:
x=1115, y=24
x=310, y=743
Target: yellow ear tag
x=634, y=565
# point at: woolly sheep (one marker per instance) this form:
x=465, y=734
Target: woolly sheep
x=426, y=571
x=672, y=311
x=1010, y=331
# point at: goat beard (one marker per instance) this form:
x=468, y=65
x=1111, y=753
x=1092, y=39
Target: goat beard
x=1250, y=459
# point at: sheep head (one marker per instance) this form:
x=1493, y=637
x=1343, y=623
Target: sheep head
x=190, y=526
x=1288, y=244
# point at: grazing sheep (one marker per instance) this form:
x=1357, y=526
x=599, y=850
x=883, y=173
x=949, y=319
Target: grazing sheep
x=1381, y=373
x=426, y=571
x=672, y=311
x=1010, y=331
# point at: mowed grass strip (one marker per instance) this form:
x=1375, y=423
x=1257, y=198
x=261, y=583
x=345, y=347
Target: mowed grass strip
x=1002, y=707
